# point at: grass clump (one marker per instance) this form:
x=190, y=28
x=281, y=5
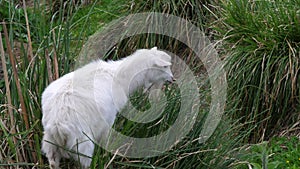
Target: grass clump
x=262, y=44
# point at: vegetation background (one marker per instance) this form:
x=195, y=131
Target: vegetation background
x=259, y=42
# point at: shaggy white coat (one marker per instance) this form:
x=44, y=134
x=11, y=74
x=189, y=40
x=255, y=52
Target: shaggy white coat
x=82, y=105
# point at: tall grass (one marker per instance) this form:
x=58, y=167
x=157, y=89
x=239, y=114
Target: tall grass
x=262, y=61
x=261, y=41
x=56, y=36
x=218, y=151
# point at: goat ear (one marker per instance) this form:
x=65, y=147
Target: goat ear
x=154, y=48
x=161, y=63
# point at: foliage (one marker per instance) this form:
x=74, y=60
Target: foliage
x=54, y=40
x=261, y=43
x=279, y=152
x=259, y=39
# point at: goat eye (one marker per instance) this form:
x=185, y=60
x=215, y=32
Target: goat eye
x=165, y=66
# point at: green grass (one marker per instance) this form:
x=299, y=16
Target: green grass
x=279, y=152
x=54, y=37
x=259, y=41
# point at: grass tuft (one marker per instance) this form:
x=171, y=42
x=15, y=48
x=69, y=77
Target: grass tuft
x=262, y=45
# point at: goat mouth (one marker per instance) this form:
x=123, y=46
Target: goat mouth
x=172, y=80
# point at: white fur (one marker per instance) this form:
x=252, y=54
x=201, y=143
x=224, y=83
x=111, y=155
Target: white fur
x=81, y=106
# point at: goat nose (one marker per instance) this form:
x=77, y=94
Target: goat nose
x=173, y=79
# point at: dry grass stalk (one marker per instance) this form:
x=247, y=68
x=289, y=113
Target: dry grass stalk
x=8, y=97
x=49, y=67
x=19, y=89
x=55, y=62
x=16, y=77
x=30, y=53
